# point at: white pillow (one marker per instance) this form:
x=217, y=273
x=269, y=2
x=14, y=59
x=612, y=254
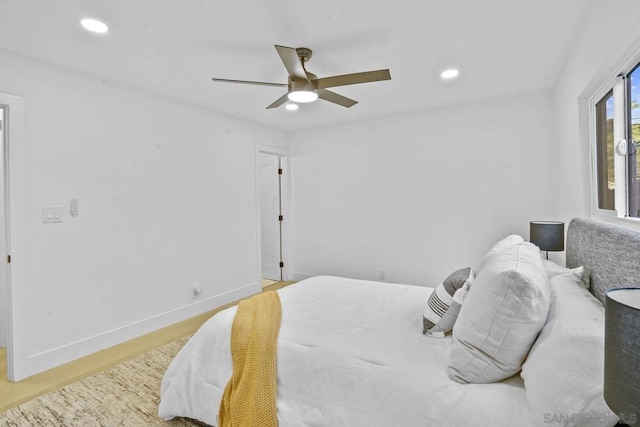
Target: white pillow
x=554, y=269
x=564, y=372
x=501, y=316
x=511, y=240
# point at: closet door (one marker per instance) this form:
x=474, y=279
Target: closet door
x=269, y=192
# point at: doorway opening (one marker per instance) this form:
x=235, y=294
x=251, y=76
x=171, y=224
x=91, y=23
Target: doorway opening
x=271, y=196
x=4, y=329
x=5, y=358
x=11, y=136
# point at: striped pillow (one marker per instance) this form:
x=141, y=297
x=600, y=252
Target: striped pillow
x=442, y=297
x=446, y=323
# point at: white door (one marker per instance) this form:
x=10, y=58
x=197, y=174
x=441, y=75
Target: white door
x=269, y=196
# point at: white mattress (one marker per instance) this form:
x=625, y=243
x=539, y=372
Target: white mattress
x=350, y=353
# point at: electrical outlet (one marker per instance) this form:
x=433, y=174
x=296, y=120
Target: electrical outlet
x=382, y=276
x=196, y=289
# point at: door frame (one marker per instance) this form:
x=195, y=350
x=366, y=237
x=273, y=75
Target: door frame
x=4, y=250
x=283, y=153
x=12, y=226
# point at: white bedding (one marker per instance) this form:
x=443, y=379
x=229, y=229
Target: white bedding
x=350, y=353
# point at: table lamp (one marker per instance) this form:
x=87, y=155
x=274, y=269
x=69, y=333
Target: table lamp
x=547, y=235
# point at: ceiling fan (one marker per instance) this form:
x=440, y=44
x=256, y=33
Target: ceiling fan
x=304, y=86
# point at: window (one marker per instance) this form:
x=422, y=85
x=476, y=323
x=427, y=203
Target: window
x=616, y=117
x=604, y=148
x=633, y=136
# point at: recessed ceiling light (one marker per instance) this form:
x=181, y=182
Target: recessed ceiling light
x=94, y=25
x=449, y=73
x=291, y=106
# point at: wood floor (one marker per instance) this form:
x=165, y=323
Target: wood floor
x=13, y=394
x=268, y=282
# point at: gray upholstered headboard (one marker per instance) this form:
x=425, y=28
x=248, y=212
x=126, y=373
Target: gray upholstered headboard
x=610, y=254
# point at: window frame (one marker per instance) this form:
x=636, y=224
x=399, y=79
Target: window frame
x=632, y=174
x=616, y=83
x=593, y=143
x=600, y=152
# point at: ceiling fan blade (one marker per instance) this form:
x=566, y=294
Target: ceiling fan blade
x=249, y=82
x=291, y=62
x=278, y=102
x=352, y=79
x=327, y=95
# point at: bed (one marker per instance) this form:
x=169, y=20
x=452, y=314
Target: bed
x=352, y=352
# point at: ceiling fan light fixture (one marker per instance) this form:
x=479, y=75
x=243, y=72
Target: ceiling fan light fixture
x=304, y=87
x=291, y=106
x=302, y=96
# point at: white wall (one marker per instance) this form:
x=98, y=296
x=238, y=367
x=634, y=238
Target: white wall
x=421, y=194
x=166, y=199
x=609, y=30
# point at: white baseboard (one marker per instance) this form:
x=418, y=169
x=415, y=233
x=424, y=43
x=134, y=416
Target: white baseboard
x=66, y=353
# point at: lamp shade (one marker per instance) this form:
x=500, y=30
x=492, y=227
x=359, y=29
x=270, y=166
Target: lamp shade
x=622, y=352
x=547, y=235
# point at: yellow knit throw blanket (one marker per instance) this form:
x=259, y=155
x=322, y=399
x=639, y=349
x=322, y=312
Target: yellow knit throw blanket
x=249, y=398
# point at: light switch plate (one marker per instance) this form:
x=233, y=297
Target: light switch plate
x=73, y=207
x=51, y=214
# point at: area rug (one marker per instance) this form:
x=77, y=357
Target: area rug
x=127, y=394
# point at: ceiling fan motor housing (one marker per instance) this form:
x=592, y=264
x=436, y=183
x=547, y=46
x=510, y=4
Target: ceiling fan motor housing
x=300, y=85
x=304, y=53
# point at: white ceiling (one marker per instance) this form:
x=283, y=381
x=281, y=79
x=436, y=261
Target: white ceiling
x=502, y=47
